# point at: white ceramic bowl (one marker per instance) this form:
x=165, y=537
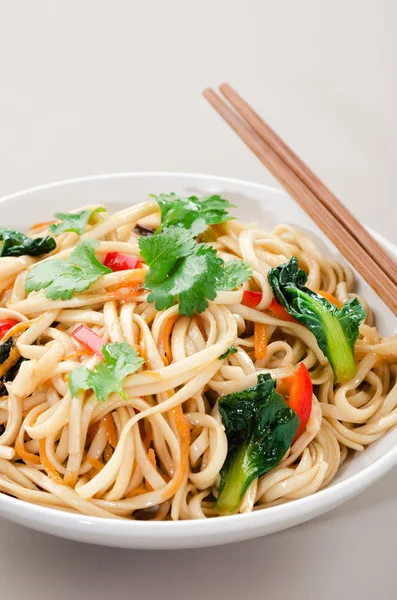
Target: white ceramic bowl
x=255, y=203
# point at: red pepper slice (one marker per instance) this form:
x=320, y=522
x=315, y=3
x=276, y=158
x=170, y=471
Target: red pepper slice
x=88, y=339
x=252, y=299
x=117, y=261
x=280, y=312
x=300, y=396
x=5, y=325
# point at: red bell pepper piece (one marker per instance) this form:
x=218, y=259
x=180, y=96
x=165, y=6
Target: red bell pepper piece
x=88, y=339
x=280, y=312
x=252, y=299
x=117, y=261
x=5, y=325
x=300, y=396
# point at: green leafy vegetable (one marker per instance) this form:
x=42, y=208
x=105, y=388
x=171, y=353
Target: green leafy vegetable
x=181, y=268
x=192, y=213
x=231, y=350
x=62, y=278
x=76, y=222
x=120, y=360
x=15, y=243
x=5, y=350
x=336, y=329
x=260, y=428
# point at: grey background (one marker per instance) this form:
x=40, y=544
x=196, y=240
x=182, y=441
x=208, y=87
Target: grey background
x=92, y=87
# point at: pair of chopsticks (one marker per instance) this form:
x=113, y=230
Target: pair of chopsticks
x=356, y=244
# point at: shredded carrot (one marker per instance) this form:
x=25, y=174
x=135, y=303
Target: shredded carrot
x=165, y=360
x=26, y=456
x=75, y=355
x=136, y=492
x=148, y=437
x=126, y=293
x=150, y=318
x=110, y=429
x=143, y=350
x=183, y=429
x=36, y=416
x=108, y=452
x=200, y=325
x=330, y=298
x=91, y=432
x=260, y=340
x=70, y=479
x=167, y=334
x=47, y=464
x=97, y=464
x=152, y=457
x=43, y=224
x=129, y=288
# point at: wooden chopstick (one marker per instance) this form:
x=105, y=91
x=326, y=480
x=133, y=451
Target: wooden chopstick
x=320, y=214
x=318, y=188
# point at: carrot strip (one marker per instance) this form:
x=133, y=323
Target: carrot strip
x=183, y=429
x=167, y=335
x=26, y=456
x=110, y=429
x=70, y=479
x=148, y=438
x=330, y=297
x=97, y=464
x=108, y=452
x=76, y=354
x=260, y=341
x=136, y=492
x=143, y=350
x=42, y=224
x=47, y=464
x=149, y=319
x=129, y=288
x=200, y=325
x=152, y=457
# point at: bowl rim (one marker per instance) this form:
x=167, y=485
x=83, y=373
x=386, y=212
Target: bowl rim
x=316, y=503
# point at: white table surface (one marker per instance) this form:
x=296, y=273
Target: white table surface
x=90, y=87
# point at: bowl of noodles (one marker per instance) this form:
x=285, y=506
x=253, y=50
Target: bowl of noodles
x=185, y=361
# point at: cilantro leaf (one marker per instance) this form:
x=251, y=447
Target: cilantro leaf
x=179, y=268
x=234, y=273
x=62, y=278
x=120, y=360
x=193, y=212
x=231, y=350
x=76, y=222
x=193, y=281
x=15, y=243
x=162, y=252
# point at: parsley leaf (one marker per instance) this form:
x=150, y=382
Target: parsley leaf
x=120, y=360
x=231, y=350
x=76, y=222
x=193, y=212
x=15, y=243
x=62, y=278
x=181, y=268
